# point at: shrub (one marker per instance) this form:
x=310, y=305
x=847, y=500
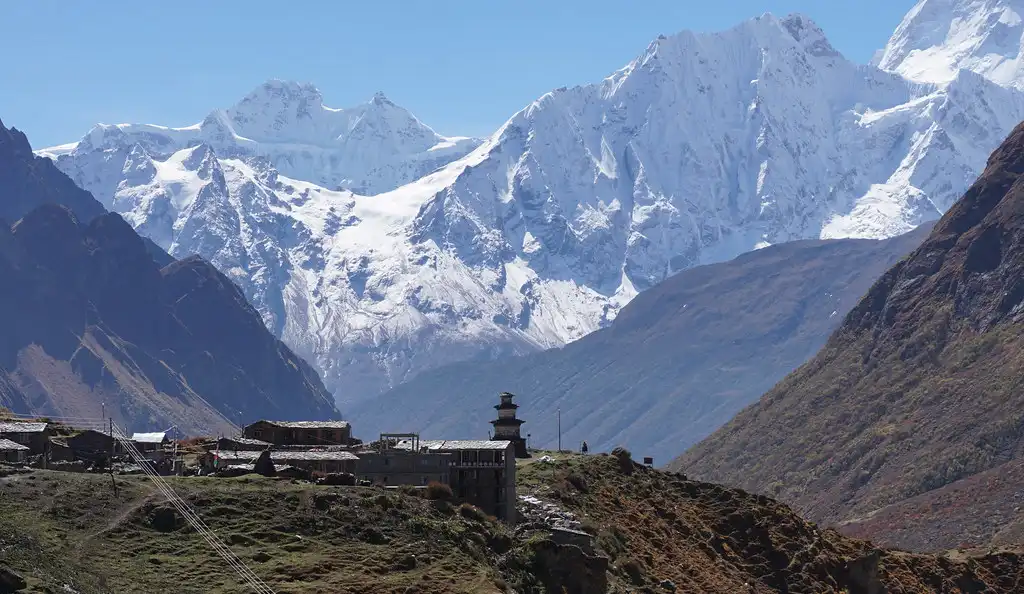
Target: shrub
x=625, y=459
x=472, y=512
x=577, y=481
x=634, y=570
x=439, y=491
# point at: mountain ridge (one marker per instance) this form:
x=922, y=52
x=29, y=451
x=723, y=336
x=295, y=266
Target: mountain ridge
x=677, y=362
x=93, y=315
x=703, y=147
x=918, y=386
x=371, y=148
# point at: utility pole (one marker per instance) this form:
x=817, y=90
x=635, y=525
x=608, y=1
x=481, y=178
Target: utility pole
x=559, y=429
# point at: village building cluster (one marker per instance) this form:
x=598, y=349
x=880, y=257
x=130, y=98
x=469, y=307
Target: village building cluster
x=481, y=472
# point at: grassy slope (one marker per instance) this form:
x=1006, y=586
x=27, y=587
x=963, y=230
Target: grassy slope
x=60, y=528
x=67, y=528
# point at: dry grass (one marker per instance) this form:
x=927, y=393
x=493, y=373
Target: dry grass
x=650, y=528
x=64, y=528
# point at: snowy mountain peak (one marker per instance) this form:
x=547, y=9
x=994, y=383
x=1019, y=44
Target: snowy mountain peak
x=706, y=146
x=102, y=136
x=809, y=34
x=283, y=92
x=939, y=37
x=201, y=159
x=371, y=148
x=380, y=99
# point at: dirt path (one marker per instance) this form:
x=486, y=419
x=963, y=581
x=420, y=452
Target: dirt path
x=123, y=513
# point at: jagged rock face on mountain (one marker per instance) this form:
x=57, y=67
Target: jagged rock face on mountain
x=90, y=318
x=30, y=181
x=919, y=387
x=678, y=362
x=940, y=37
x=369, y=149
x=704, y=147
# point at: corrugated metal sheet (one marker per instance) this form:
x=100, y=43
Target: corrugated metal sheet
x=155, y=437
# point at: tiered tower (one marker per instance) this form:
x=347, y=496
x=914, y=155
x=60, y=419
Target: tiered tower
x=506, y=426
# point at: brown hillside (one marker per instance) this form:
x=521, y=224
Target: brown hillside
x=655, y=532
x=919, y=387
x=980, y=511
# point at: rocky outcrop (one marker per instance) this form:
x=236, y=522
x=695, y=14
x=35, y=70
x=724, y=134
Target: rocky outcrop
x=29, y=181
x=11, y=582
x=568, y=569
x=264, y=464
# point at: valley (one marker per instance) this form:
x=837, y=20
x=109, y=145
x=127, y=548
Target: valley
x=754, y=311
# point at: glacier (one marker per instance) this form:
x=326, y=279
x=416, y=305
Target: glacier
x=378, y=249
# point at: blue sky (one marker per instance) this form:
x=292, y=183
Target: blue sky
x=462, y=67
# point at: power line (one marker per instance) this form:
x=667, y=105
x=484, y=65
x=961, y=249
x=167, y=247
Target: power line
x=247, y=575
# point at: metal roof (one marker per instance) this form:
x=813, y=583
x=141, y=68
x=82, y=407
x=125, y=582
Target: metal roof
x=277, y=456
x=307, y=424
x=154, y=437
x=456, y=444
x=19, y=427
x=7, y=445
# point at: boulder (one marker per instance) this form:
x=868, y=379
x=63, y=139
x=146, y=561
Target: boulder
x=340, y=479
x=10, y=581
x=293, y=472
x=233, y=471
x=264, y=465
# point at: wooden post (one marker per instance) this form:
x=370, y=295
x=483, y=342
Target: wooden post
x=559, y=430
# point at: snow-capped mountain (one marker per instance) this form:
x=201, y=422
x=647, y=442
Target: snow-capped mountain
x=704, y=147
x=369, y=149
x=939, y=37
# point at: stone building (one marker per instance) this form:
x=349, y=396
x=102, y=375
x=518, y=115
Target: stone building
x=239, y=444
x=507, y=426
x=325, y=461
x=482, y=472
x=301, y=433
x=88, y=444
x=33, y=435
x=12, y=452
x=407, y=465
